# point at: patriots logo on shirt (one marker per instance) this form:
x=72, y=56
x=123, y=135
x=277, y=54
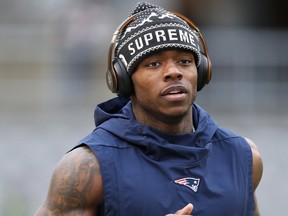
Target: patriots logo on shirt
x=189, y=182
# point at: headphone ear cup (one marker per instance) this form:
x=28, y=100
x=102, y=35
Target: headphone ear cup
x=204, y=72
x=111, y=80
x=124, y=82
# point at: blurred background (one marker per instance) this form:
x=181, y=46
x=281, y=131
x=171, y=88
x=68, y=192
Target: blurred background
x=53, y=58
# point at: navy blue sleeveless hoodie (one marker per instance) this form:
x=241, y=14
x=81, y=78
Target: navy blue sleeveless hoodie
x=146, y=172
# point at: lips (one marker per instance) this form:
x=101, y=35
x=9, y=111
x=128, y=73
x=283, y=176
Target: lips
x=174, y=90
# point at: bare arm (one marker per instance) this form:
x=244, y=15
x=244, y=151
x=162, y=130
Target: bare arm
x=257, y=171
x=75, y=187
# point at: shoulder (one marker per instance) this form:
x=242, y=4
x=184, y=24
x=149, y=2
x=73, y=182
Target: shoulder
x=76, y=184
x=257, y=163
x=79, y=171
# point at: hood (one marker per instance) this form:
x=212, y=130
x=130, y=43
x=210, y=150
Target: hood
x=116, y=117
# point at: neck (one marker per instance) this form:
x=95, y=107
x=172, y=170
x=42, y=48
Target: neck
x=168, y=124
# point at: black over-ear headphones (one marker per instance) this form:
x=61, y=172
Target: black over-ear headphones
x=118, y=79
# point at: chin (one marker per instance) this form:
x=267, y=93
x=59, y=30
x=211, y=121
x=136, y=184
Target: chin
x=179, y=112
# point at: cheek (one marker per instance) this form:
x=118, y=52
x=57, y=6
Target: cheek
x=143, y=85
x=194, y=78
x=143, y=89
x=191, y=78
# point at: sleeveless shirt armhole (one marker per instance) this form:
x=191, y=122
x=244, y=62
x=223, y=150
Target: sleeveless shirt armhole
x=109, y=180
x=251, y=204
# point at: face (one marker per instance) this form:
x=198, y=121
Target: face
x=165, y=85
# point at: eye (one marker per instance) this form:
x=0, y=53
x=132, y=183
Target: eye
x=186, y=58
x=186, y=61
x=153, y=64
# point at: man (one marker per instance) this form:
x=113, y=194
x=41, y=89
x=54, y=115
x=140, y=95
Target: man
x=154, y=151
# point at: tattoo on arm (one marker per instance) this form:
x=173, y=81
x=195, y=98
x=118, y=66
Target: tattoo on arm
x=76, y=184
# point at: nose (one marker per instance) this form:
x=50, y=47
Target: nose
x=172, y=72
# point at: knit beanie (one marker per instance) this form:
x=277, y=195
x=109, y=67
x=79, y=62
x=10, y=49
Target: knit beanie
x=154, y=29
